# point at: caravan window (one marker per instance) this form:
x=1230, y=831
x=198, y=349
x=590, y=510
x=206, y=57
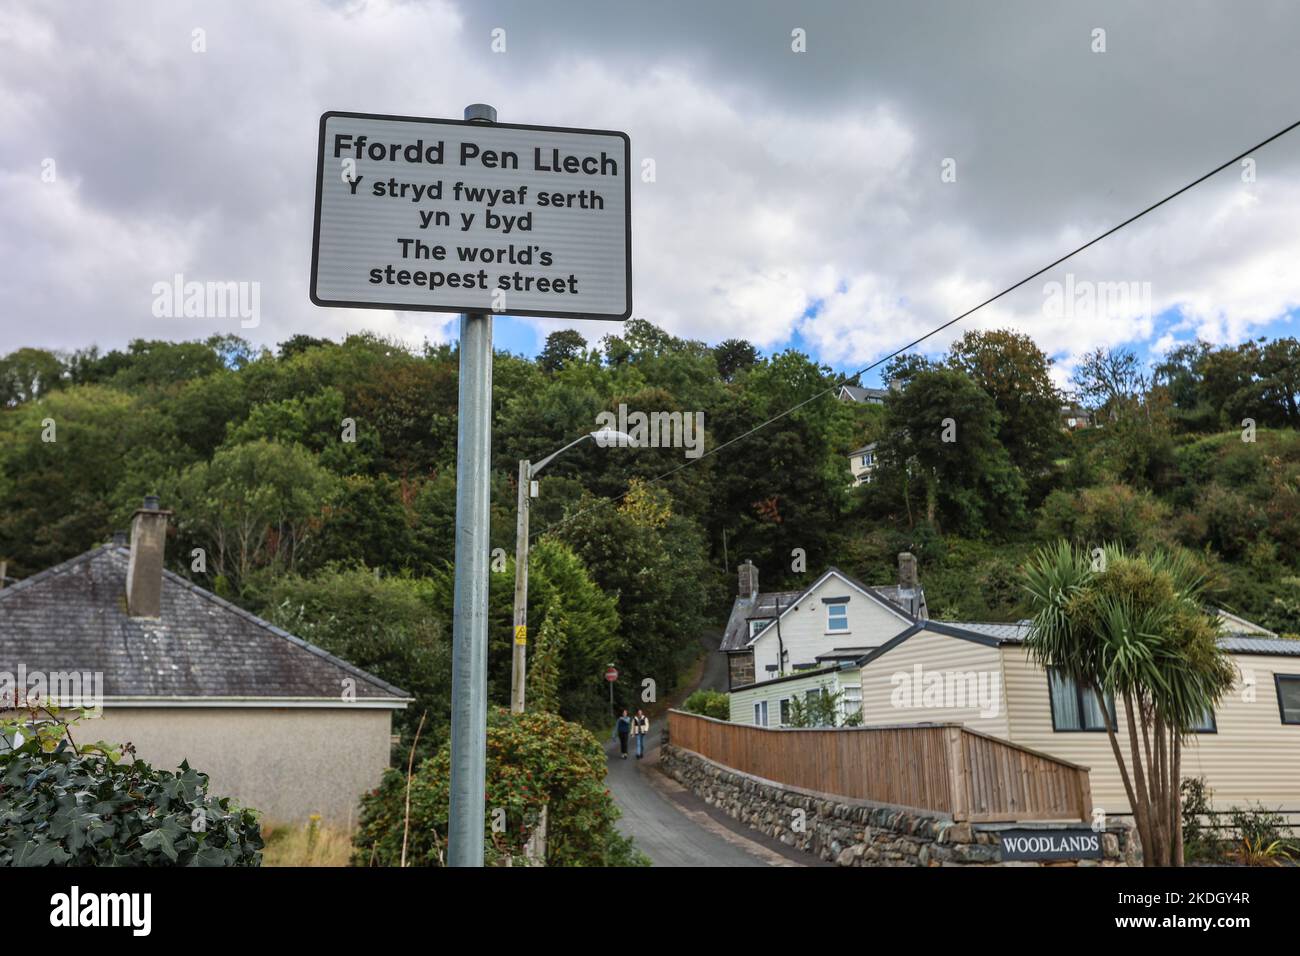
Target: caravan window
x=1288, y=697
x=1073, y=708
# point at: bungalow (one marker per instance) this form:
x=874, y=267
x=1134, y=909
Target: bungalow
x=835, y=618
x=284, y=727
x=981, y=675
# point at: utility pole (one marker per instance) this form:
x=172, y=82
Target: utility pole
x=527, y=470
x=780, y=644
x=470, y=611
x=519, y=661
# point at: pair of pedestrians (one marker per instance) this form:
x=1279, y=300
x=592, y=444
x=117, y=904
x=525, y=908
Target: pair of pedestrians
x=637, y=726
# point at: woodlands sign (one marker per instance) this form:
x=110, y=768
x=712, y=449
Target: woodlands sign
x=1072, y=844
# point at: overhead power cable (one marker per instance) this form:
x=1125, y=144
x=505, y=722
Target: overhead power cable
x=939, y=328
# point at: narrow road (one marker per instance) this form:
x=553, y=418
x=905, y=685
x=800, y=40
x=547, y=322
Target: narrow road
x=671, y=825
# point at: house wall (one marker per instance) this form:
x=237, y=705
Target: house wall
x=286, y=763
x=1253, y=756
x=742, y=701
x=895, y=692
x=804, y=634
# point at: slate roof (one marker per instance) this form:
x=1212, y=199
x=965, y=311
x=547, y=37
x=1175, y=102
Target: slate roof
x=860, y=394
x=73, y=617
x=735, y=636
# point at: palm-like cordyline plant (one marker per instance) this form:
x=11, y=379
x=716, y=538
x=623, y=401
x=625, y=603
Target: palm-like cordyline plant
x=1135, y=628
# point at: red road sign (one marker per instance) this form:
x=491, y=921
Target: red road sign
x=611, y=674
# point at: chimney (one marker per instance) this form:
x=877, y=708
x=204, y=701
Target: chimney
x=145, y=568
x=908, y=584
x=907, y=571
x=748, y=580
x=119, y=539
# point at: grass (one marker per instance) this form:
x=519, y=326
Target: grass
x=309, y=844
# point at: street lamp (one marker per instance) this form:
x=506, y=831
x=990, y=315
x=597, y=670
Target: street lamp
x=527, y=472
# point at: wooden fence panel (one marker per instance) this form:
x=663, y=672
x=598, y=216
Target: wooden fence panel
x=944, y=768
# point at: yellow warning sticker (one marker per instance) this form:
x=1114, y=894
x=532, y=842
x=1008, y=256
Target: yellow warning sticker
x=521, y=633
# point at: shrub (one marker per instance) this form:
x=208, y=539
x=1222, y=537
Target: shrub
x=710, y=703
x=1200, y=843
x=67, y=806
x=534, y=760
x=1114, y=513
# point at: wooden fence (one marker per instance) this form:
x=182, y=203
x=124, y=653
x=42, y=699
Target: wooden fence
x=944, y=768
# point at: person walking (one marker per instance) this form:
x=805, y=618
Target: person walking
x=640, y=727
x=621, y=729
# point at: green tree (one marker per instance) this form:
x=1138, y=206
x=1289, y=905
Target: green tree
x=562, y=347
x=27, y=374
x=734, y=356
x=941, y=451
x=1016, y=374
x=1135, y=628
x=253, y=505
x=654, y=562
x=73, y=463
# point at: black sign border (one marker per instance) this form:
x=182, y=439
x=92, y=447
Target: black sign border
x=404, y=307
x=1057, y=855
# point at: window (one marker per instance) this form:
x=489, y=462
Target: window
x=866, y=460
x=850, y=701
x=837, y=617
x=1073, y=708
x=1206, y=724
x=1288, y=697
x=785, y=712
x=760, y=714
x=756, y=626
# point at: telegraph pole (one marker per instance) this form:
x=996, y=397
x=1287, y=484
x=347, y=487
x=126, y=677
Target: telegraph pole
x=519, y=661
x=470, y=612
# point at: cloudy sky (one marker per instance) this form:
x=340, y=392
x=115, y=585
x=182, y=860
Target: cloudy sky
x=800, y=197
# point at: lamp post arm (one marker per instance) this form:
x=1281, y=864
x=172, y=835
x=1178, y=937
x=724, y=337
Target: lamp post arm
x=553, y=455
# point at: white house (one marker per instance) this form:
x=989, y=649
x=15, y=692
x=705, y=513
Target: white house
x=862, y=462
x=836, y=618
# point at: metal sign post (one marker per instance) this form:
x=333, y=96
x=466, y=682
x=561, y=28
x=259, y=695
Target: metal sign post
x=470, y=613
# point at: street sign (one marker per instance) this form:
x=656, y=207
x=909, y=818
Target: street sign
x=1054, y=843
x=611, y=674
x=450, y=216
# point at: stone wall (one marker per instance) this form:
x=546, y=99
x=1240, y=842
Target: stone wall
x=741, y=669
x=859, y=833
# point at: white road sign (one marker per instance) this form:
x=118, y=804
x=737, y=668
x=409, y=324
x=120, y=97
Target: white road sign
x=450, y=216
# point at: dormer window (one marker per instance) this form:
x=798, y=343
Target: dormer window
x=756, y=626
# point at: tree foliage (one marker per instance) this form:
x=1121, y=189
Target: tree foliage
x=534, y=761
